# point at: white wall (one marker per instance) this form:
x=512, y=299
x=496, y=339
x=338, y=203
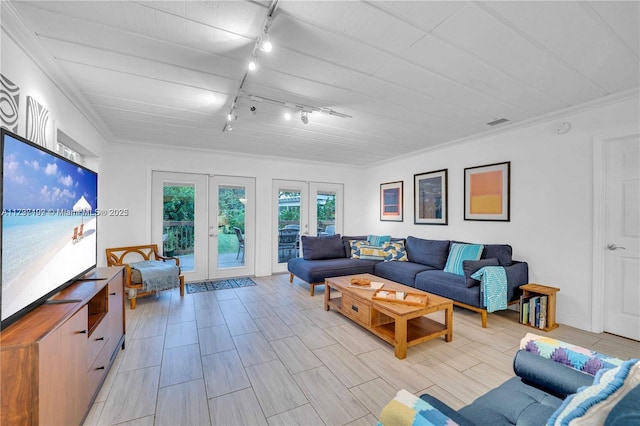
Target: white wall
x=551, y=223
x=128, y=168
x=20, y=68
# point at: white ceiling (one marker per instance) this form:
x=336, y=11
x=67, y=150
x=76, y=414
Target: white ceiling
x=412, y=74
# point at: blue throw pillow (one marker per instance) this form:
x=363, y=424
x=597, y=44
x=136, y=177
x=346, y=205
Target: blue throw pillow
x=458, y=253
x=378, y=240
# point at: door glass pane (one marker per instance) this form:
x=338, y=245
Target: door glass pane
x=178, y=223
x=326, y=209
x=231, y=226
x=288, y=225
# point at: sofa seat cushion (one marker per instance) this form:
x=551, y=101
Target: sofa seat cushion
x=400, y=272
x=315, y=271
x=448, y=285
x=428, y=252
x=512, y=403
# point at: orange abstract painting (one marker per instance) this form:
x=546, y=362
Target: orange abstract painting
x=486, y=192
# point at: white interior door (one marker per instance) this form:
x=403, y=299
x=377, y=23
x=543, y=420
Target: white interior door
x=231, y=226
x=622, y=236
x=179, y=219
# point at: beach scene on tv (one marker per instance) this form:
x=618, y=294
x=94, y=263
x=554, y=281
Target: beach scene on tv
x=48, y=223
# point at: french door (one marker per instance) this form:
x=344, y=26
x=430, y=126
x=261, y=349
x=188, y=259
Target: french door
x=231, y=226
x=195, y=217
x=179, y=220
x=302, y=208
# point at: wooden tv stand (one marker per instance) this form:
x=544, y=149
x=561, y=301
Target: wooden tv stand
x=54, y=359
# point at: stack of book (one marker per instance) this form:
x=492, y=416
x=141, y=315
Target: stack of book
x=533, y=311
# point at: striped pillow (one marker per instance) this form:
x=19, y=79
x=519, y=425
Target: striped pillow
x=378, y=240
x=458, y=253
x=591, y=405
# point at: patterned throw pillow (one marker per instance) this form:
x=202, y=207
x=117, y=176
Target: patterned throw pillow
x=573, y=356
x=408, y=409
x=355, y=247
x=369, y=252
x=395, y=250
x=592, y=404
x=378, y=240
x=459, y=253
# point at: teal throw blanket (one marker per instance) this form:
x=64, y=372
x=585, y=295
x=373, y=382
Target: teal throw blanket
x=493, y=287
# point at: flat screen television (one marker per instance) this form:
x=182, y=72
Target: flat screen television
x=48, y=231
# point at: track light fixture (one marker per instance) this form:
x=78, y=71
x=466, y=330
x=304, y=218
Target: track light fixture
x=304, y=109
x=262, y=43
x=265, y=43
x=304, y=117
x=253, y=64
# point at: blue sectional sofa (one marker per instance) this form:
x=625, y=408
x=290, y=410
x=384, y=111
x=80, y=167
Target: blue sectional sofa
x=555, y=383
x=422, y=268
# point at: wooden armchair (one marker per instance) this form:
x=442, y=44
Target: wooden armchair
x=133, y=282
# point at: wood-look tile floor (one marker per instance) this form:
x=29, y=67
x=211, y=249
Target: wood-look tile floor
x=270, y=354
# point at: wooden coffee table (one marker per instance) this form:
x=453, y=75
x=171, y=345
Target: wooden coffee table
x=398, y=324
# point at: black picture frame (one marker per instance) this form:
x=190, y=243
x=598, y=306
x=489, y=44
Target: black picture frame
x=431, y=196
x=391, y=201
x=487, y=192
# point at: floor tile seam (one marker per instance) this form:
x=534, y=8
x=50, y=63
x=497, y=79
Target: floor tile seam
x=156, y=395
x=199, y=358
x=295, y=408
x=296, y=383
x=365, y=382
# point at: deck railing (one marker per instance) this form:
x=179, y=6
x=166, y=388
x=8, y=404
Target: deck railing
x=183, y=235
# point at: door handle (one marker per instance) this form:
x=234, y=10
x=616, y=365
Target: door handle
x=615, y=247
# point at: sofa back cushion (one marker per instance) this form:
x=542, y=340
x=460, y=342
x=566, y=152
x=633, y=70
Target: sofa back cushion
x=427, y=252
x=502, y=252
x=471, y=266
x=325, y=247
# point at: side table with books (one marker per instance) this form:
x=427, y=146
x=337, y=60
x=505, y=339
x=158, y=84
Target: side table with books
x=538, y=306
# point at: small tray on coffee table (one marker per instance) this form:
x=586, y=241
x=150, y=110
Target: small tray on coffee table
x=413, y=299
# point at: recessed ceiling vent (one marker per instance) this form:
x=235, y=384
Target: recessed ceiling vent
x=498, y=121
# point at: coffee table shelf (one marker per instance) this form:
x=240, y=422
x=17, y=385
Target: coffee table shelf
x=400, y=325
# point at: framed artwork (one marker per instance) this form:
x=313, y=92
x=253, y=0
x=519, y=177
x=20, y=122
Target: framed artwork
x=391, y=197
x=430, y=191
x=486, y=192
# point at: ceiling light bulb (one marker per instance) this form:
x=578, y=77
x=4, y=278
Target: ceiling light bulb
x=303, y=117
x=287, y=116
x=231, y=116
x=266, y=46
x=253, y=65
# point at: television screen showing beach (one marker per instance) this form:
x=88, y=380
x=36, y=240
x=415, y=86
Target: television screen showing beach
x=48, y=223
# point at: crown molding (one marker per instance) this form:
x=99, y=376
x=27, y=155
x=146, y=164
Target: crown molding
x=14, y=26
x=554, y=115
